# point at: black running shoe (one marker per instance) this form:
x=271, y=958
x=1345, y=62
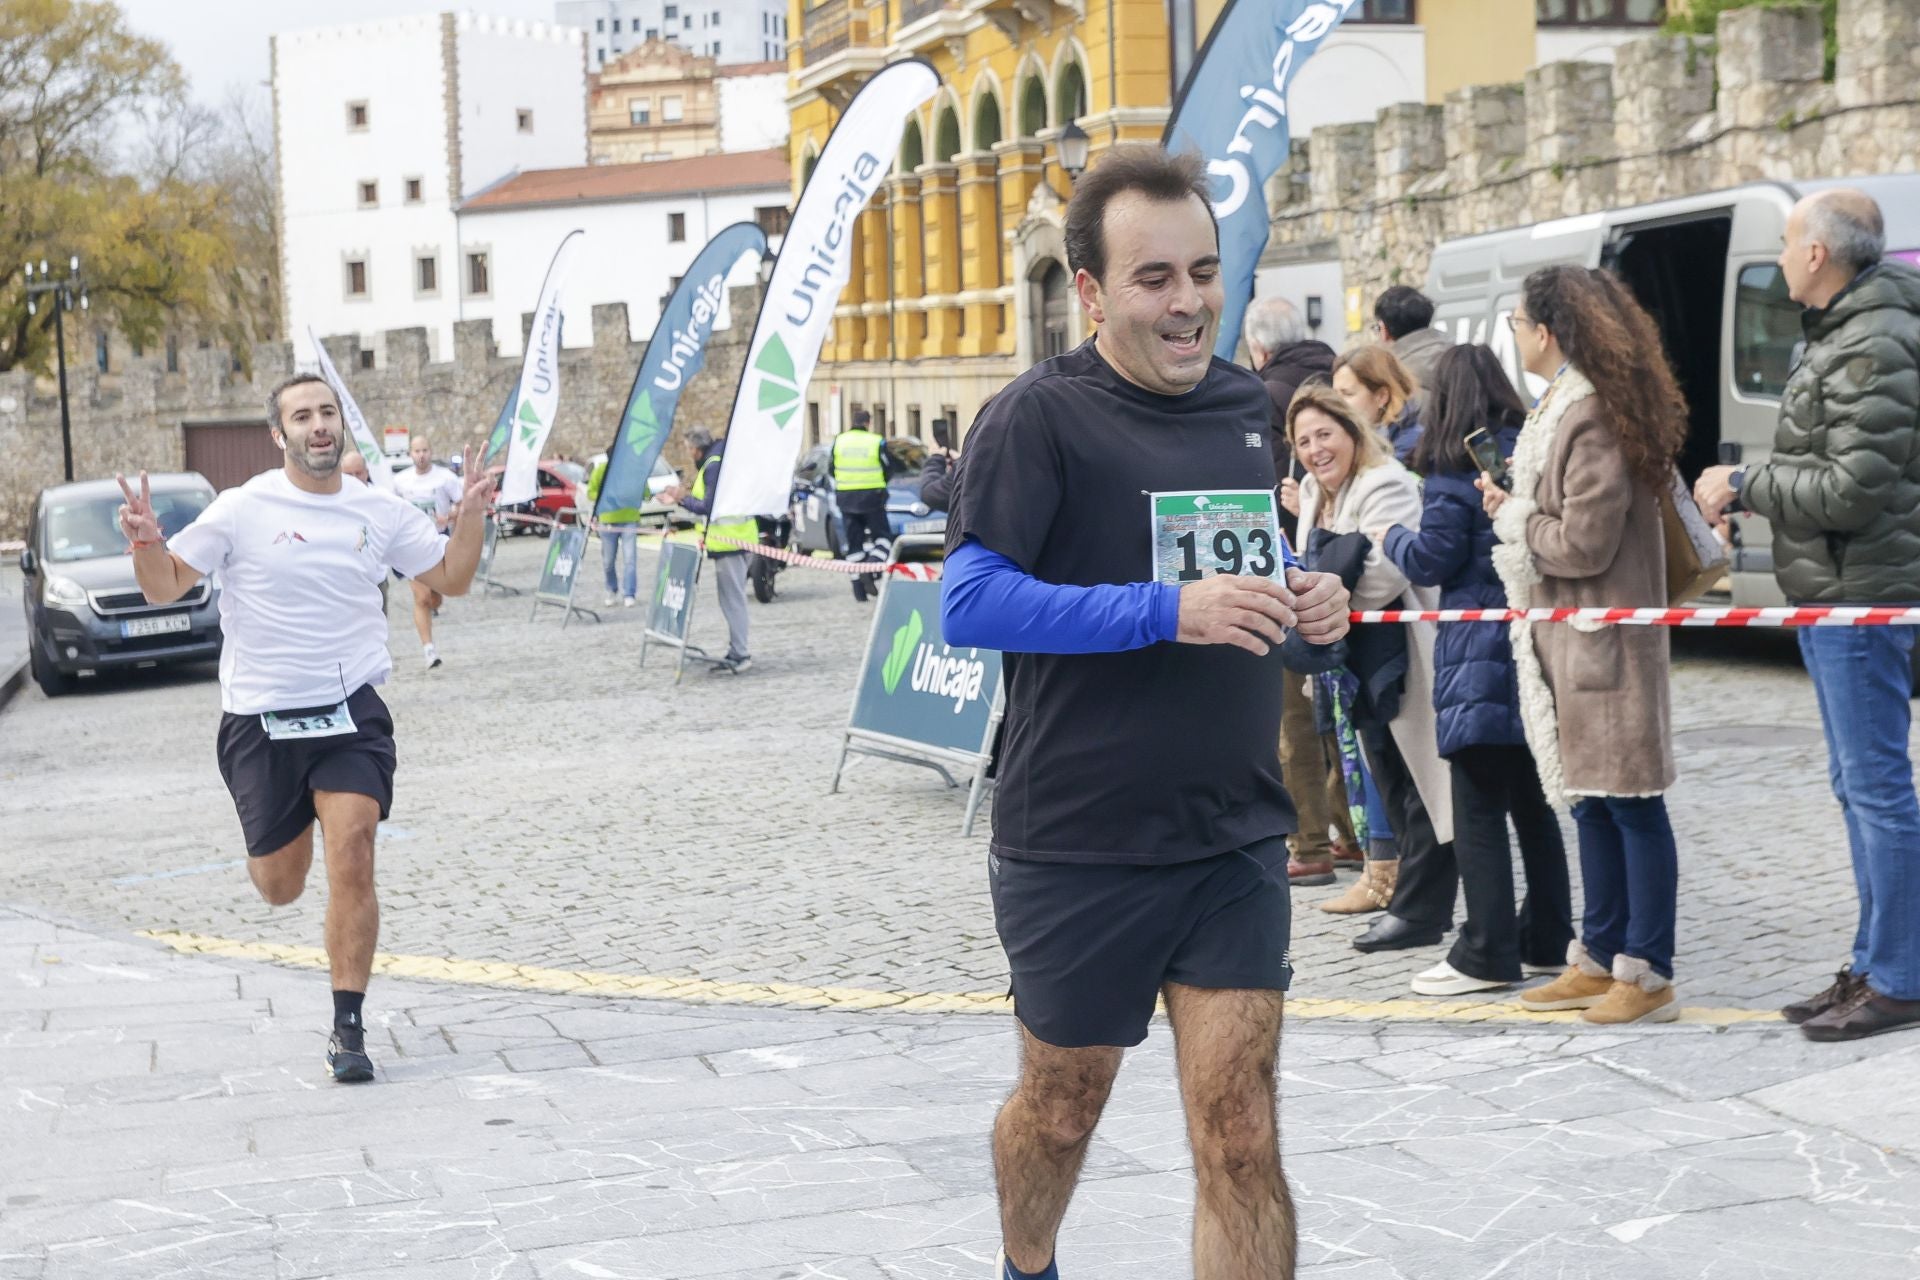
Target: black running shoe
x=347, y=1054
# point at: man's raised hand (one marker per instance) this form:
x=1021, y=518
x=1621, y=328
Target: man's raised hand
x=1252, y=613
x=477, y=486
x=137, y=522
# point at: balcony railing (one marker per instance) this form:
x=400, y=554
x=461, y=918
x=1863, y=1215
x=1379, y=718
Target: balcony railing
x=825, y=29
x=914, y=10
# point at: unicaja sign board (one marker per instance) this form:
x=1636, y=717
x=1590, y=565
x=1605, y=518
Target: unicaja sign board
x=538, y=397
x=816, y=259
x=1233, y=111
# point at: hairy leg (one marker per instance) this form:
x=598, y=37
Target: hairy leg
x=1040, y=1139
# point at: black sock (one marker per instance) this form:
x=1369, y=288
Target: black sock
x=346, y=1007
x=1048, y=1272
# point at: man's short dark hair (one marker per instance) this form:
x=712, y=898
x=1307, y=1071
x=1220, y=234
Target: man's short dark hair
x=1402, y=310
x=862, y=419
x=298, y=379
x=1153, y=171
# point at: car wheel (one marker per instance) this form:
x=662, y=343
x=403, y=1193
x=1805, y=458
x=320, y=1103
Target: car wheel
x=52, y=681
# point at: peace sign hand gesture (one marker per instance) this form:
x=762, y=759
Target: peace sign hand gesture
x=137, y=520
x=476, y=485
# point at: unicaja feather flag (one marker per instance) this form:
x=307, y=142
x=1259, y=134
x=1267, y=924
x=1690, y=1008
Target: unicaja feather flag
x=676, y=351
x=377, y=468
x=764, y=434
x=1233, y=111
x=539, y=391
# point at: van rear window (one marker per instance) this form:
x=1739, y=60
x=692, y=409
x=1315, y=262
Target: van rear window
x=1766, y=333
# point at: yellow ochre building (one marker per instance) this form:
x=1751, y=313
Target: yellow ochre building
x=959, y=278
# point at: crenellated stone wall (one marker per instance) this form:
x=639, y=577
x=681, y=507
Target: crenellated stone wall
x=1672, y=116
x=136, y=416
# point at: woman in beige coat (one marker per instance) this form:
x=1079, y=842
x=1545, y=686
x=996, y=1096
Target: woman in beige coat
x=1582, y=527
x=1353, y=483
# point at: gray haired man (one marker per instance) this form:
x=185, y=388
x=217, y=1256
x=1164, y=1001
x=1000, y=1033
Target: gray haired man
x=1842, y=492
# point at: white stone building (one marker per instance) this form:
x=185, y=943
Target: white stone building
x=644, y=224
x=382, y=130
x=727, y=30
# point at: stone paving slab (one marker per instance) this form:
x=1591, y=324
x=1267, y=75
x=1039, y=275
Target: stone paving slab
x=560, y=806
x=518, y=1136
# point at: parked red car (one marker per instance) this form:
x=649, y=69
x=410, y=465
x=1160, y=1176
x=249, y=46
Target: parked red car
x=563, y=486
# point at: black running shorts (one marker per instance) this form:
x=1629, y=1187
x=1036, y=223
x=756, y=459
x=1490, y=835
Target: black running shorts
x=273, y=782
x=1090, y=946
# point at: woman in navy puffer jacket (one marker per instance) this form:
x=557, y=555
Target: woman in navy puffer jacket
x=1476, y=695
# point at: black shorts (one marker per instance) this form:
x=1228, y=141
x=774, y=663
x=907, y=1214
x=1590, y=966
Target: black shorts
x=1090, y=946
x=273, y=782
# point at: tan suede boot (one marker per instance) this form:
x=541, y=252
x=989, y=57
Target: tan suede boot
x=1371, y=892
x=1638, y=994
x=1584, y=985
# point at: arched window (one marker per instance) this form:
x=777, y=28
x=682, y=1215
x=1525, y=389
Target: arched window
x=1033, y=107
x=913, y=152
x=946, y=136
x=1050, y=312
x=1070, y=95
x=986, y=121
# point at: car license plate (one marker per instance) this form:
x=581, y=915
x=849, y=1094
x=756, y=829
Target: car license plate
x=155, y=626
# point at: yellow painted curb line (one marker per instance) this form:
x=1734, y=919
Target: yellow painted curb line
x=526, y=977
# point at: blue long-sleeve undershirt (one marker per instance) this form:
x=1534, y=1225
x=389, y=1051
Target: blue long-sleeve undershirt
x=989, y=602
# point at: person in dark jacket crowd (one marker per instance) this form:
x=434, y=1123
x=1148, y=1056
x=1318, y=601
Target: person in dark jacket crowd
x=1285, y=357
x=1842, y=493
x=1476, y=695
x=940, y=470
x=1383, y=393
x=1403, y=320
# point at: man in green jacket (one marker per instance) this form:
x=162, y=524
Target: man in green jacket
x=1842, y=492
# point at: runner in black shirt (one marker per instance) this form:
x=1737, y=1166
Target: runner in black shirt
x=1113, y=531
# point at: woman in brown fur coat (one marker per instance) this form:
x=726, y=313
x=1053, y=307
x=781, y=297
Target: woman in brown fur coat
x=1582, y=527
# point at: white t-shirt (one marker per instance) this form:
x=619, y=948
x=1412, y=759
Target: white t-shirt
x=436, y=492
x=299, y=577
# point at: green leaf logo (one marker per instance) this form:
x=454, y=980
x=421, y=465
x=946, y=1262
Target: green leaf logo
x=779, y=390
x=643, y=427
x=902, y=652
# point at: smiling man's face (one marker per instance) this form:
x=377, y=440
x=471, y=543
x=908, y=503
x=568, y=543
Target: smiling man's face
x=1158, y=307
x=310, y=425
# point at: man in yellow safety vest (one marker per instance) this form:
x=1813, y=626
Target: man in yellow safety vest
x=859, y=469
x=727, y=543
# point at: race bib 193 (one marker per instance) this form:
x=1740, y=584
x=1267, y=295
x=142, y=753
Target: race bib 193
x=1198, y=534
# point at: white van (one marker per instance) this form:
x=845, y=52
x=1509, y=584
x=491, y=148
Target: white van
x=1705, y=267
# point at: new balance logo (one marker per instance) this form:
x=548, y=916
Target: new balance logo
x=1253, y=439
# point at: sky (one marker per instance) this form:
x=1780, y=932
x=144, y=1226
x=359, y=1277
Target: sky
x=219, y=43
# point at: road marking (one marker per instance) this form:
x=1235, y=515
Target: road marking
x=526, y=977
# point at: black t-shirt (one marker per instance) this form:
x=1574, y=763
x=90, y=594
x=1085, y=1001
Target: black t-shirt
x=1156, y=755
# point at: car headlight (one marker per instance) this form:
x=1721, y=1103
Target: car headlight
x=64, y=593
x=920, y=509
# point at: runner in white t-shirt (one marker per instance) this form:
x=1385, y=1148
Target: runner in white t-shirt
x=435, y=490
x=300, y=558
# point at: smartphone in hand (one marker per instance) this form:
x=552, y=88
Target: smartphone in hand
x=1486, y=455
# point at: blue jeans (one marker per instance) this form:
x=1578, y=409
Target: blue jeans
x=611, y=542
x=1632, y=873
x=1863, y=678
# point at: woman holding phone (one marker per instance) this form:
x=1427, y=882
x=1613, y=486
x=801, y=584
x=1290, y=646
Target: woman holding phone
x=1352, y=482
x=1582, y=527
x=1472, y=412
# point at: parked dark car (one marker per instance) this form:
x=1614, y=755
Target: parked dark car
x=815, y=507
x=85, y=611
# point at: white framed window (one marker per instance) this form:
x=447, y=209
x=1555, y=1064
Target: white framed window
x=369, y=194
x=479, y=274
x=523, y=119
x=356, y=117
x=426, y=273
x=639, y=111
x=670, y=108
x=354, y=278
x=676, y=227
x=414, y=189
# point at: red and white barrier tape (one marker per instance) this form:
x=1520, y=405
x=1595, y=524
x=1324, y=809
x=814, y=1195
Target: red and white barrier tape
x=1809, y=616
x=914, y=572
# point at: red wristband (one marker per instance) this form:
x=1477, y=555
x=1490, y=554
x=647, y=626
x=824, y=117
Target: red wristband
x=150, y=542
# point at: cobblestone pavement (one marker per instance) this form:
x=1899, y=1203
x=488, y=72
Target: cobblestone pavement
x=164, y=1116
x=560, y=806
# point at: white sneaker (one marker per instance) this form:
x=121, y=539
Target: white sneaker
x=1445, y=980
x=1541, y=970
x=431, y=654
x=611, y=600
x=628, y=603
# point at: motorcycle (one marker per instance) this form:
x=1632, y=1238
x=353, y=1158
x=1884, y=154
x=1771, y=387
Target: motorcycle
x=775, y=531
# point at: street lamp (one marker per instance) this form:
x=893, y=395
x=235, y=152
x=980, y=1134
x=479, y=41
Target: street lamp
x=64, y=292
x=1073, y=144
